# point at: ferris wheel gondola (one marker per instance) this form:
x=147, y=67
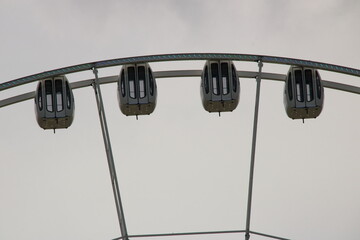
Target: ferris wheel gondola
x=220, y=86
x=137, y=92
x=54, y=103
x=303, y=93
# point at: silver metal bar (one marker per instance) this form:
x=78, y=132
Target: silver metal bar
x=340, y=86
x=89, y=82
x=253, y=149
x=110, y=158
x=269, y=236
x=180, y=73
x=17, y=99
x=269, y=76
x=182, y=234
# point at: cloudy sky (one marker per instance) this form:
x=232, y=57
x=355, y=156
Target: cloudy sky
x=180, y=169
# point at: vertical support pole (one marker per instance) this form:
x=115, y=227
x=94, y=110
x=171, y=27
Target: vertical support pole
x=110, y=158
x=253, y=148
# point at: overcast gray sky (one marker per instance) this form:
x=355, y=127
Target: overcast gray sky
x=181, y=168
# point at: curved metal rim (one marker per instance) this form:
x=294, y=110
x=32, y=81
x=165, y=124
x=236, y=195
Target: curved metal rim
x=180, y=57
x=179, y=73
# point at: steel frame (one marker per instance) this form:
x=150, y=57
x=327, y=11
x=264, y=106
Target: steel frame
x=180, y=73
x=180, y=57
x=170, y=74
x=110, y=157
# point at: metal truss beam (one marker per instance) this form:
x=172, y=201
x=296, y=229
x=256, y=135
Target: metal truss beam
x=179, y=57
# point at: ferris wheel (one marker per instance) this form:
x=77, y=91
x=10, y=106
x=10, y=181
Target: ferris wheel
x=220, y=91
